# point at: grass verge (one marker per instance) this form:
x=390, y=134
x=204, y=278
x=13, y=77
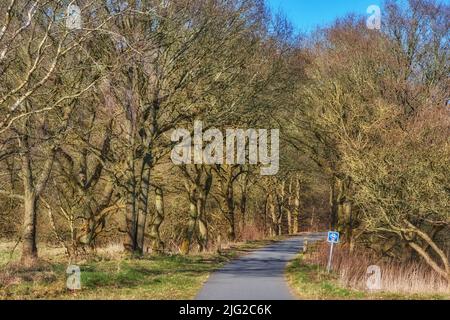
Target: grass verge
x=312, y=282
x=165, y=277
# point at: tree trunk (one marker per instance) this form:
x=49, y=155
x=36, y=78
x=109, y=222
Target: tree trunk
x=229, y=201
x=273, y=215
x=289, y=219
x=198, y=188
x=290, y=208
x=231, y=233
x=143, y=204
x=202, y=234
x=443, y=271
x=280, y=219
x=297, y=207
x=348, y=218
x=131, y=188
x=204, y=188
x=281, y=207
x=243, y=202
x=156, y=243
x=333, y=206
x=32, y=190
x=29, y=249
x=344, y=211
x=265, y=208
x=190, y=230
x=130, y=243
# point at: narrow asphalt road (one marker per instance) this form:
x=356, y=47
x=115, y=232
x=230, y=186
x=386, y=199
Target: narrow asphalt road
x=258, y=275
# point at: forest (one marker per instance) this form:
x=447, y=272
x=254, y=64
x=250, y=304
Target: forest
x=90, y=99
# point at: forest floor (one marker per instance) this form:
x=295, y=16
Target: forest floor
x=312, y=282
x=111, y=275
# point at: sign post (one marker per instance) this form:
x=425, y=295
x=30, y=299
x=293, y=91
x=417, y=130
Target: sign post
x=333, y=237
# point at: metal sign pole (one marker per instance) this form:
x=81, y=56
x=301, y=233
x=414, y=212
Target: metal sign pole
x=330, y=257
x=333, y=237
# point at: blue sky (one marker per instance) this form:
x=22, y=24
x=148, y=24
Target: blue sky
x=306, y=14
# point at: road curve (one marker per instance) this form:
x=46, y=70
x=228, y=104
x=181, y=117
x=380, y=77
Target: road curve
x=258, y=275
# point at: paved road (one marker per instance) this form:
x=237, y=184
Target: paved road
x=258, y=275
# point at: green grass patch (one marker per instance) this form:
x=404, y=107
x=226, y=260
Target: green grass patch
x=161, y=277
x=165, y=277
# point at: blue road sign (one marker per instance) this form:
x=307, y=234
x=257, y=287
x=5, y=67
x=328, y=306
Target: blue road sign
x=333, y=237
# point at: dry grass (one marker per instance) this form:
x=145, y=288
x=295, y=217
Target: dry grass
x=251, y=233
x=397, y=278
x=111, y=251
